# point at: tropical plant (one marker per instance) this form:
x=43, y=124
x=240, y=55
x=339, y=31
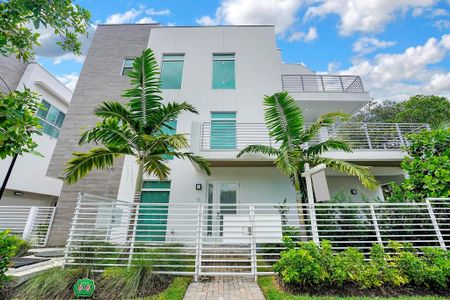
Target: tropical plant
x=137, y=128
x=285, y=122
x=10, y=246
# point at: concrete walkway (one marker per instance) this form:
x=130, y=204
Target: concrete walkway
x=225, y=288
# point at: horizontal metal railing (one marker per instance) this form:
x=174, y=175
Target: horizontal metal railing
x=360, y=136
x=229, y=239
x=32, y=223
x=296, y=83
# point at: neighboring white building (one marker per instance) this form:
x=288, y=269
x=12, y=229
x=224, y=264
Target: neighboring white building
x=29, y=184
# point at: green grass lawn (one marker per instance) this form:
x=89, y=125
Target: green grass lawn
x=175, y=291
x=271, y=291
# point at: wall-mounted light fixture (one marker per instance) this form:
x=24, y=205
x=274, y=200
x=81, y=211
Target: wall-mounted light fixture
x=18, y=193
x=353, y=192
x=198, y=187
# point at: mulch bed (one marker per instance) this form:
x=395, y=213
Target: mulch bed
x=354, y=291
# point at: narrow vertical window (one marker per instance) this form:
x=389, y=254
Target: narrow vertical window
x=223, y=71
x=170, y=128
x=223, y=130
x=127, y=65
x=172, y=71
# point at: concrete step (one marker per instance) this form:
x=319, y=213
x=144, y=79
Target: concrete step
x=22, y=274
x=47, y=252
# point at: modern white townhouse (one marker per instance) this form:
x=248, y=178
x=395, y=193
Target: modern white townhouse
x=223, y=71
x=29, y=184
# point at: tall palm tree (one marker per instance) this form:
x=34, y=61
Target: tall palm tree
x=137, y=128
x=285, y=122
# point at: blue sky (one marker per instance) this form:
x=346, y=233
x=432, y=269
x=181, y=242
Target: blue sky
x=399, y=47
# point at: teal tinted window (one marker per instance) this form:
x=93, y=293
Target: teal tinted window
x=172, y=71
x=223, y=71
x=152, y=219
x=127, y=65
x=170, y=129
x=50, y=119
x=223, y=130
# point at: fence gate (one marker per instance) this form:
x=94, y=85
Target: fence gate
x=239, y=239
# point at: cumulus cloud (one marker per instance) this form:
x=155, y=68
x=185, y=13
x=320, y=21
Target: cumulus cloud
x=365, y=16
x=366, y=45
x=281, y=13
x=70, y=80
x=395, y=76
x=146, y=20
x=442, y=24
x=308, y=36
x=125, y=17
x=154, y=12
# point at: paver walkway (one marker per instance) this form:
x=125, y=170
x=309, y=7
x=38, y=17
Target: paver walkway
x=225, y=288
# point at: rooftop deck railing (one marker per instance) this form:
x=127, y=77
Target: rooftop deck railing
x=226, y=136
x=296, y=83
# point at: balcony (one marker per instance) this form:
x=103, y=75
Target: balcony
x=322, y=84
x=369, y=141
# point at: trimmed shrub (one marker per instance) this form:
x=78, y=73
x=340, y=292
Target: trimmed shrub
x=10, y=246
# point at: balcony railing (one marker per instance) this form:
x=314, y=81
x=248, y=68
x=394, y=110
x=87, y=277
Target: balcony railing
x=226, y=136
x=322, y=84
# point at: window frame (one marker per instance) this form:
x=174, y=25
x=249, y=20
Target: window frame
x=216, y=54
x=45, y=123
x=183, y=55
x=124, y=68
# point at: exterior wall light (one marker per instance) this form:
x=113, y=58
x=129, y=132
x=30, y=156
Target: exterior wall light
x=198, y=187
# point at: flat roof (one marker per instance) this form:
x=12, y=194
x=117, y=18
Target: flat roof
x=188, y=26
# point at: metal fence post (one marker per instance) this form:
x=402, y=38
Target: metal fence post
x=253, y=242
x=435, y=224
x=198, y=260
x=72, y=228
x=49, y=227
x=400, y=135
x=366, y=132
x=314, y=228
x=29, y=225
x=133, y=233
x=375, y=225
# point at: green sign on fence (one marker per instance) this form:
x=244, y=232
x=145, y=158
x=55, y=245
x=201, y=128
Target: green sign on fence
x=84, y=288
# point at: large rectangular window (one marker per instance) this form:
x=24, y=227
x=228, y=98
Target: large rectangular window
x=171, y=129
x=223, y=71
x=152, y=219
x=127, y=65
x=50, y=118
x=223, y=130
x=172, y=71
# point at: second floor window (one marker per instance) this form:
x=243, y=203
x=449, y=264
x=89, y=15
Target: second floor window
x=172, y=71
x=127, y=65
x=50, y=118
x=223, y=71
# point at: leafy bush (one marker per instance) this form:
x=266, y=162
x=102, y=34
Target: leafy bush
x=10, y=246
x=428, y=167
x=310, y=265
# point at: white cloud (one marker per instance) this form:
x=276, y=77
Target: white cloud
x=439, y=13
x=70, y=80
x=442, y=24
x=281, y=13
x=365, y=15
x=162, y=12
x=395, y=76
x=146, y=20
x=308, y=36
x=126, y=17
x=366, y=45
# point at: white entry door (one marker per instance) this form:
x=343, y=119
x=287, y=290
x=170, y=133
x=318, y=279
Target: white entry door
x=222, y=197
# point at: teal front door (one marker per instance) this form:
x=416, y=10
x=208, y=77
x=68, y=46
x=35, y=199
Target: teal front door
x=152, y=218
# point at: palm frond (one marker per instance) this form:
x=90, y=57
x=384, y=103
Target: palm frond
x=289, y=162
x=327, y=145
x=114, y=109
x=283, y=118
x=365, y=177
x=83, y=163
x=169, y=112
x=156, y=165
x=111, y=134
x=198, y=160
x=324, y=120
x=263, y=149
x=145, y=95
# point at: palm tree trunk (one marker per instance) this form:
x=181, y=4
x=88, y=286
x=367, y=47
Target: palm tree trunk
x=300, y=211
x=135, y=212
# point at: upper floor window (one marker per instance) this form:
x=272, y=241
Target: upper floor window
x=50, y=118
x=223, y=71
x=127, y=65
x=172, y=71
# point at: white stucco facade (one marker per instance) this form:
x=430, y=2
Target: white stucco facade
x=29, y=184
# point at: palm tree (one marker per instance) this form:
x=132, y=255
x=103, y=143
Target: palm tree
x=286, y=125
x=137, y=128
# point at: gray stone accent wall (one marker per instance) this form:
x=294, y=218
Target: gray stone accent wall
x=100, y=80
x=11, y=71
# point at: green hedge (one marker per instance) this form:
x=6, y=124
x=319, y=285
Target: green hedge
x=311, y=265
